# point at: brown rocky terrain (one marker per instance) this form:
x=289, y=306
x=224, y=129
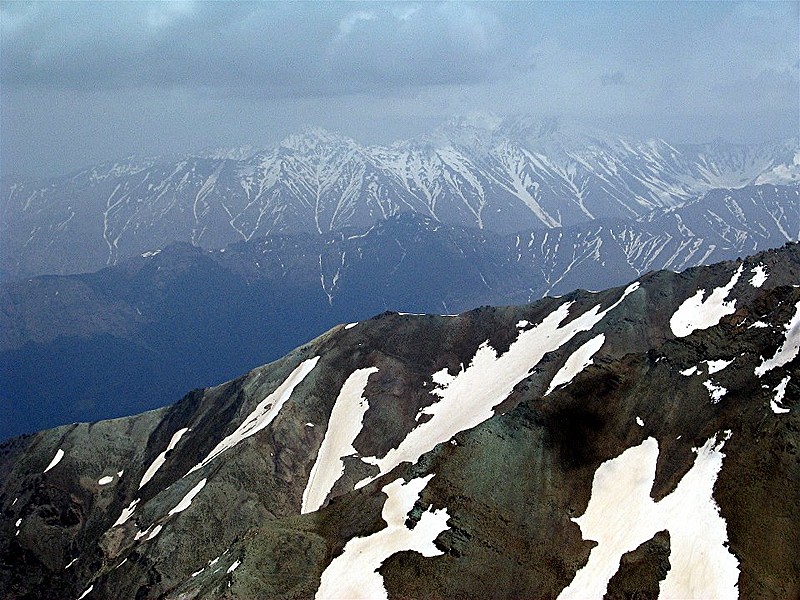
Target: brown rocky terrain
x=439, y=457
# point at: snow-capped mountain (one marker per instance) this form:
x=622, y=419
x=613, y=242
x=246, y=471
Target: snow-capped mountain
x=637, y=442
x=503, y=176
x=149, y=328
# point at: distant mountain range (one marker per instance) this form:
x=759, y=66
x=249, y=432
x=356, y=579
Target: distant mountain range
x=638, y=442
x=137, y=335
x=504, y=176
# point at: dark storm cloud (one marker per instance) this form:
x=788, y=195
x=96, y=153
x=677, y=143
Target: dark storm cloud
x=274, y=48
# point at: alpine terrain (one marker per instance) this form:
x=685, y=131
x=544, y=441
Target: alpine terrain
x=636, y=442
x=502, y=175
x=137, y=335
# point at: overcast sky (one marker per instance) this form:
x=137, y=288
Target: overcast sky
x=83, y=82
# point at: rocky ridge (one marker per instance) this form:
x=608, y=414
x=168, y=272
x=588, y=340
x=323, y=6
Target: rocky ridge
x=452, y=447
x=147, y=329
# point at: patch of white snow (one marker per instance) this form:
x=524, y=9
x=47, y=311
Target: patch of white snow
x=788, y=351
x=696, y=313
x=162, y=458
x=577, y=362
x=105, y=480
x=715, y=391
x=156, y=530
x=759, y=276
x=780, y=393
x=56, y=459
x=621, y=516
x=86, y=592
x=689, y=372
x=263, y=414
x=354, y=573
x=126, y=513
x=234, y=566
x=344, y=426
x=187, y=499
x=715, y=366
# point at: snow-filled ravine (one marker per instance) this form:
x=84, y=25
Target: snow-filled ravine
x=344, y=425
x=263, y=414
x=621, y=516
x=354, y=573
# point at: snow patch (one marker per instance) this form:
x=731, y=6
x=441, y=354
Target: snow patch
x=126, y=513
x=780, y=393
x=468, y=398
x=759, y=325
x=351, y=325
x=788, y=351
x=689, y=372
x=696, y=313
x=234, y=566
x=86, y=592
x=162, y=458
x=621, y=516
x=56, y=459
x=577, y=362
x=344, y=425
x=187, y=499
x=639, y=422
x=715, y=366
x=715, y=391
x=70, y=563
x=263, y=414
x=759, y=276
x=354, y=573
x=105, y=480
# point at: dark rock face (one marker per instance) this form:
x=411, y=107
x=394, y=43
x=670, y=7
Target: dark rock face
x=448, y=447
x=641, y=570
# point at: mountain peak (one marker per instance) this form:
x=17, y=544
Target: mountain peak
x=311, y=138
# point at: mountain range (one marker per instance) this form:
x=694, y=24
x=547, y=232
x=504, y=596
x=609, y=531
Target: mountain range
x=504, y=175
x=636, y=442
x=137, y=335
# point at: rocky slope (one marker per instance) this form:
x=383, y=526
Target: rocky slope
x=504, y=176
x=150, y=328
x=625, y=443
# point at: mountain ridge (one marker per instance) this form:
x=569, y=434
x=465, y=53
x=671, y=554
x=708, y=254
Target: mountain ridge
x=181, y=317
x=505, y=179
x=687, y=389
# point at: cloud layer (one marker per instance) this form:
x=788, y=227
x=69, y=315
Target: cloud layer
x=246, y=72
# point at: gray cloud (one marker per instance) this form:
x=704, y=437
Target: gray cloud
x=109, y=79
x=280, y=49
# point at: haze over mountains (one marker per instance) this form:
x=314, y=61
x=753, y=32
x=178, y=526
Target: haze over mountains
x=492, y=212
x=412, y=455
x=501, y=175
